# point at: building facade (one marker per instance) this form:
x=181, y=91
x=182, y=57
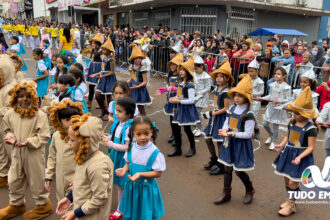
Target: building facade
x=324, y=24
x=232, y=18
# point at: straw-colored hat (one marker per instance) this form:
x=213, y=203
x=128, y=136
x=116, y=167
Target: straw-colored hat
x=136, y=52
x=303, y=105
x=244, y=87
x=108, y=45
x=189, y=65
x=96, y=38
x=224, y=69
x=177, y=60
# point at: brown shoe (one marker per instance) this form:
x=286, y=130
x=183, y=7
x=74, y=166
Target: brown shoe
x=289, y=209
x=3, y=182
x=89, y=105
x=284, y=203
x=248, y=195
x=39, y=212
x=225, y=197
x=11, y=211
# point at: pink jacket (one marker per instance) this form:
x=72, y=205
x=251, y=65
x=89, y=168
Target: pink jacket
x=249, y=55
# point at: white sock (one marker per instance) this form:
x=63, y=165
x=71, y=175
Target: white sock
x=120, y=195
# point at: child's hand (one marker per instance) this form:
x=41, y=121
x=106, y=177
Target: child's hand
x=110, y=119
x=92, y=75
x=9, y=140
x=174, y=100
x=105, y=140
x=62, y=206
x=132, y=87
x=69, y=216
x=35, y=79
x=222, y=132
x=134, y=178
x=120, y=172
x=48, y=185
x=296, y=161
x=278, y=148
x=23, y=144
x=257, y=98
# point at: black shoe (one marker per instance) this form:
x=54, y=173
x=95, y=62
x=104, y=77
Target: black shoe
x=191, y=152
x=211, y=163
x=174, y=143
x=217, y=170
x=176, y=152
x=171, y=139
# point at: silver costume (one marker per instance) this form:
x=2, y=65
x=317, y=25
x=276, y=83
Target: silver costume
x=202, y=87
x=282, y=94
x=258, y=91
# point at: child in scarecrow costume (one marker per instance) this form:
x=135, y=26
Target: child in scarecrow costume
x=92, y=189
x=18, y=63
x=60, y=161
x=26, y=130
x=237, y=153
x=7, y=82
x=296, y=149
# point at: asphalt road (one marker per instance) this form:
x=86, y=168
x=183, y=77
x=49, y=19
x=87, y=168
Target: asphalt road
x=188, y=190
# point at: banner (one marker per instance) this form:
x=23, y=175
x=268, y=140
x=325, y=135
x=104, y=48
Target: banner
x=89, y=2
x=50, y=1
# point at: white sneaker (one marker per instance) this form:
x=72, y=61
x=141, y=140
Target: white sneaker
x=194, y=131
x=268, y=141
x=198, y=133
x=271, y=146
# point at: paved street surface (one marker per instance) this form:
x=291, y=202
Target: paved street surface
x=188, y=190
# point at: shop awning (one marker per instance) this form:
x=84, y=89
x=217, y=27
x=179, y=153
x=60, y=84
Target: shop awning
x=273, y=31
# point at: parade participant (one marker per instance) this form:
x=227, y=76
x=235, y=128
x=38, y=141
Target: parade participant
x=298, y=145
x=202, y=87
x=27, y=36
x=279, y=95
x=118, y=144
x=18, y=63
x=42, y=76
x=146, y=62
x=80, y=88
x=172, y=81
x=217, y=117
x=44, y=36
x=20, y=41
x=94, y=67
x=47, y=53
x=54, y=33
x=144, y=163
x=7, y=82
x=258, y=86
x=62, y=69
x=138, y=80
x=92, y=189
x=185, y=113
x=52, y=71
x=34, y=29
x=26, y=130
x=60, y=161
x=86, y=56
x=308, y=78
x=324, y=120
x=75, y=51
x=65, y=87
x=15, y=48
x=237, y=153
x=120, y=90
x=66, y=42
x=107, y=78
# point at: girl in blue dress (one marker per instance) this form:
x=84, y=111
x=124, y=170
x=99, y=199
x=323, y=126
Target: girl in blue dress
x=46, y=52
x=20, y=40
x=237, y=151
x=118, y=142
x=296, y=149
x=42, y=77
x=52, y=70
x=144, y=163
x=185, y=113
x=217, y=117
x=15, y=48
x=173, y=78
x=107, y=78
x=138, y=80
x=62, y=69
x=80, y=88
